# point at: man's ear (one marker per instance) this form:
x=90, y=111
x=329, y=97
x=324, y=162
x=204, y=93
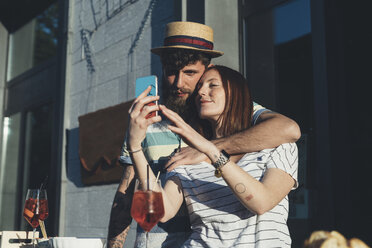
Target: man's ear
x=210, y=65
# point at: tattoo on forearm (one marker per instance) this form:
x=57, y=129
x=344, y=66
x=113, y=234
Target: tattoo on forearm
x=127, y=176
x=240, y=188
x=249, y=197
x=118, y=241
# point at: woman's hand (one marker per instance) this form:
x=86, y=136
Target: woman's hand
x=191, y=137
x=138, y=122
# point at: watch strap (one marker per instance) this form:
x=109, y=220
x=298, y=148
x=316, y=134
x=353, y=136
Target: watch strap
x=223, y=159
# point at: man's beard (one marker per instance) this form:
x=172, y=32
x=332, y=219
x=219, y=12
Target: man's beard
x=178, y=104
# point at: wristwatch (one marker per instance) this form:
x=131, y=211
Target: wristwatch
x=221, y=161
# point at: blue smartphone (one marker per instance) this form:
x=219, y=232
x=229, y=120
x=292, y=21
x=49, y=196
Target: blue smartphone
x=142, y=83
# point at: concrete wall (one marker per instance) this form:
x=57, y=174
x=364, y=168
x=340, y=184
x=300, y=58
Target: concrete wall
x=222, y=16
x=108, y=47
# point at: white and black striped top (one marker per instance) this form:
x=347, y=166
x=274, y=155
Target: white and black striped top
x=217, y=217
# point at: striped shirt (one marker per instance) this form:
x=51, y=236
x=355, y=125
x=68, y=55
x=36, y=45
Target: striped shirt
x=159, y=143
x=217, y=217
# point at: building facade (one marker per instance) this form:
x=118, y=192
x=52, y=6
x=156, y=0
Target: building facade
x=61, y=61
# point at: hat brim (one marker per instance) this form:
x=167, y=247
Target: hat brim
x=212, y=53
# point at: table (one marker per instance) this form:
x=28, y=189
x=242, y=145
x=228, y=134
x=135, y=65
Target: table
x=16, y=239
x=75, y=242
x=22, y=239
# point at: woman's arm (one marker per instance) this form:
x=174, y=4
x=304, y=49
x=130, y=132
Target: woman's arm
x=172, y=197
x=138, y=124
x=172, y=192
x=257, y=196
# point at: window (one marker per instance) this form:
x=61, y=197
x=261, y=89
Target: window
x=33, y=43
x=33, y=92
x=23, y=167
x=278, y=63
x=9, y=172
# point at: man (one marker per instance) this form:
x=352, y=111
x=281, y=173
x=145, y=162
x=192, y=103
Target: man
x=187, y=52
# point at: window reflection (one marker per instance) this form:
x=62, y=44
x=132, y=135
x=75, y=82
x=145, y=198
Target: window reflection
x=38, y=143
x=37, y=152
x=279, y=59
x=33, y=43
x=9, y=172
x=46, y=35
x=291, y=21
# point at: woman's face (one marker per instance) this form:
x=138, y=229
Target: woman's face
x=210, y=100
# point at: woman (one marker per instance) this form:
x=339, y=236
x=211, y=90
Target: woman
x=241, y=200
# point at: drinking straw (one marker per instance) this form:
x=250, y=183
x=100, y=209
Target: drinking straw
x=38, y=194
x=43, y=183
x=43, y=229
x=37, y=202
x=157, y=177
x=41, y=223
x=148, y=183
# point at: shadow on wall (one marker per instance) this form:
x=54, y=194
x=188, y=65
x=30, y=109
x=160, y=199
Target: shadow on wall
x=93, y=149
x=73, y=171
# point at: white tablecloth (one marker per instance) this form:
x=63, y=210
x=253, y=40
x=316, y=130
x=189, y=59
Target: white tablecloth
x=73, y=242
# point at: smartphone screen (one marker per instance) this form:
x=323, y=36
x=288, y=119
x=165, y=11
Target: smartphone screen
x=142, y=83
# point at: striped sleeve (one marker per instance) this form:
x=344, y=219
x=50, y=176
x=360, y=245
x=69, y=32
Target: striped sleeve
x=180, y=170
x=124, y=155
x=257, y=111
x=285, y=157
x=170, y=174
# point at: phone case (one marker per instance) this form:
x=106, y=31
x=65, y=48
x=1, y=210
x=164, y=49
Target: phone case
x=142, y=83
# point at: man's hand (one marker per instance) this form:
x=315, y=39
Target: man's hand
x=186, y=155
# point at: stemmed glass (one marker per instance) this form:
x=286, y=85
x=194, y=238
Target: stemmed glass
x=36, y=208
x=43, y=211
x=147, y=205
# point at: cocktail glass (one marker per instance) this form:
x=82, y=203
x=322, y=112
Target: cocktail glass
x=147, y=205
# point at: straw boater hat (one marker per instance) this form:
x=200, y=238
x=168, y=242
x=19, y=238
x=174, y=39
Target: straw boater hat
x=188, y=35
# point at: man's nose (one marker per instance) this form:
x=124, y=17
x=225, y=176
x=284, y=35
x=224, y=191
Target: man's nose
x=179, y=81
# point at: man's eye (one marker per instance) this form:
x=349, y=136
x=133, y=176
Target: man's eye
x=190, y=73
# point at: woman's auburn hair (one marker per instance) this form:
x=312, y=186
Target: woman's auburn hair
x=237, y=114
